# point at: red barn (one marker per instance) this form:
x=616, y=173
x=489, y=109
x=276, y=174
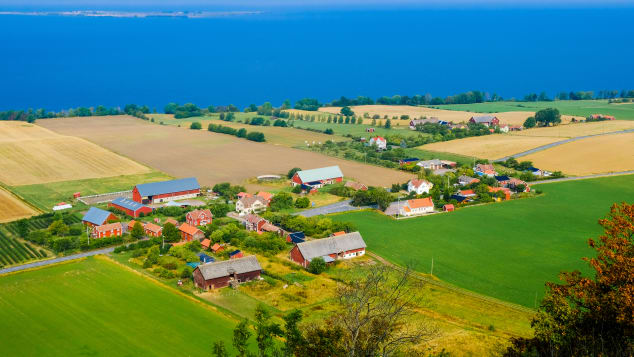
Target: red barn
x=199, y=217
x=317, y=178
x=166, y=191
x=97, y=217
x=345, y=246
x=189, y=232
x=131, y=208
x=107, y=230
x=488, y=120
x=220, y=274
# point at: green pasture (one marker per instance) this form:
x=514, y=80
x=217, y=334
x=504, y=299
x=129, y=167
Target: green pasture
x=570, y=107
x=360, y=129
x=46, y=195
x=506, y=250
x=96, y=308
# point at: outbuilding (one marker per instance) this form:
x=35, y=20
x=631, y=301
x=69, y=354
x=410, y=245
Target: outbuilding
x=97, y=217
x=156, y=192
x=189, y=232
x=199, y=217
x=220, y=274
x=318, y=177
x=131, y=208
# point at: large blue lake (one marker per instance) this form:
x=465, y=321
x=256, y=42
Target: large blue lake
x=62, y=62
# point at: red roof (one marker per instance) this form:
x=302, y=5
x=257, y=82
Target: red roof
x=340, y=233
x=448, y=207
x=467, y=192
x=377, y=138
x=199, y=213
x=153, y=227
x=421, y=202
x=205, y=243
x=191, y=230
x=418, y=183
x=216, y=247
x=266, y=195
x=108, y=227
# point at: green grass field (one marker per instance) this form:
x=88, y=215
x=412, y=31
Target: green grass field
x=506, y=250
x=570, y=107
x=359, y=129
x=45, y=196
x=96, y=308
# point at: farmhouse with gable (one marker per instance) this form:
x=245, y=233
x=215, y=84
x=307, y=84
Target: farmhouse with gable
x=251, y=204
x=164, y=191
x=317, y=178
x=199, y=217
x=379, y=142
x=417, y=206
x=220, y=274
x=107, y=230
x=419, y=186
x=488, y=120
x=189, y=232
x=346, y=246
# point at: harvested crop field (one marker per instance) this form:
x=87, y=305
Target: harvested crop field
x=511, y=118
x=600, y=154
x=579, y=129
x=211, y=157
x=31, y=154
x=492, y=146
x=12, y=208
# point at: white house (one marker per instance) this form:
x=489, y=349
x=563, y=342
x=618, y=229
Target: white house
x=417, y=206
x=379, y=141
x=433, y=164
x=419, y=186
x=251, y=204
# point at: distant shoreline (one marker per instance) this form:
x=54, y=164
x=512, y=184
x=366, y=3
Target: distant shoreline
x=132, y=14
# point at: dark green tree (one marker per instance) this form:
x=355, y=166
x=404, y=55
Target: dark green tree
x=317, y=265
x=530, y=122
x=137, y=231
x=548, y=116
x=170, y=233
x=346, y=111
x=241, y=335
x=292, y=172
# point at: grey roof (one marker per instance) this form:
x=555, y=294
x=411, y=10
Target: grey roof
x=430, y=162
x=96, y=216
x=127, y=203
x=464, y=178
x=331, y=245
x=159, y=188
x=483, y=118
x=323, y=173
x=228, y=267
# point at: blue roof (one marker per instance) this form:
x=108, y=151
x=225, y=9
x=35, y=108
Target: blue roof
x=193, y=264
x=533, y=169
x=96, y=216
x=502, y=178
x=234, y=253
x=459, y=198
x=297, y=237
x=159, y=188
x=127, y=203
x=205, y=258
x=409, y=159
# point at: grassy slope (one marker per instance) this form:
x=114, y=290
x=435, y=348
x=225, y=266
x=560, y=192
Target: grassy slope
x=93, y=307
x=570, y=107
x=506, y=250
x=45, y=196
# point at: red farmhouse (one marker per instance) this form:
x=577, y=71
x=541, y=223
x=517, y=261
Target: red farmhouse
x=344, y=246
x=131, y=208
x=97, y=217
x=156, y=192
x=190, y=232
x=199, y=217
x=488, y=120
x=318, y=177
x=220, y=274
x=107, y=230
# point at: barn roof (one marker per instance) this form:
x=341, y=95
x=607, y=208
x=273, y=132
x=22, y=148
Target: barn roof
x=331, y=245
x=323, y=173
x=108, y=227
x=189, y=229
x=483, y=118
x=159, y=188
x=127, y=203
x=96, y=216
x=229, y=267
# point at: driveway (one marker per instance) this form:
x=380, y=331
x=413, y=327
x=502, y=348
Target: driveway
x=548, y=146
x=56, y=260
x=342, y=206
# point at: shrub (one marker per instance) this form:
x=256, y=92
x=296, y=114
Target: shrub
x=256, y=136
x=302, y=202
x=195, y=125
x=186, y=273
x=317, y=266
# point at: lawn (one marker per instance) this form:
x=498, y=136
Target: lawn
x=94, y=307
x=506, y=250
x=45, y=196
x=570, y=107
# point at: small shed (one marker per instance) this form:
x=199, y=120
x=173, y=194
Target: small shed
x=204, y=258
x=448, y=207
x=296, y=237
x=193, y=265
x=76, y=194
x=236, y=254
x=217, y=248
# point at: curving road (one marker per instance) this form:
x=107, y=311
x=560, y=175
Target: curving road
x=548, y=146
x=56, y=260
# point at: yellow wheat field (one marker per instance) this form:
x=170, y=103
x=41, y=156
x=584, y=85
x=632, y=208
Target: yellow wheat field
x=579, y=129
x=492, y=146
x=12, y=208
x=510, y=118
x=600, y=154
x=30, y=154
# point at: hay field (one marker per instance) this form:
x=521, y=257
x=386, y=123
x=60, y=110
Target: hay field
x=30, y=154
x=12, y=208
x=492, y=146
x=600, y=154
x=511, y=118
x=211, y=157
x=579, y=129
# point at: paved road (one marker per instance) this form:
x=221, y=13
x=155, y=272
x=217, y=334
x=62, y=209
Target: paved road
x=583, y=177
x=548, y=146
x=56, y=260
x=342, y=206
